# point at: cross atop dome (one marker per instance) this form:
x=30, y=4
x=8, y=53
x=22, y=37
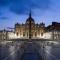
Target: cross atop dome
x=30, y=14
x=30, y=19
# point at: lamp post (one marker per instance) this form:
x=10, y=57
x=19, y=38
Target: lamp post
x=43, y=50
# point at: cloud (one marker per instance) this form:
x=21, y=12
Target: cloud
x=0, y=13
x=3, y=18
x=23, y=6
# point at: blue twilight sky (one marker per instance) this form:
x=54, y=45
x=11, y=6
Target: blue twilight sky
x=13, y=11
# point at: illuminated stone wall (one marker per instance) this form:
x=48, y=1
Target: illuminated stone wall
x=37, y=30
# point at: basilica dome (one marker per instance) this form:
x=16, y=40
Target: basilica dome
x=30, y=19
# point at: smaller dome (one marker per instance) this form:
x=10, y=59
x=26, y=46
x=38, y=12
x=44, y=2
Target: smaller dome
x=17, y=24
x=42, y=24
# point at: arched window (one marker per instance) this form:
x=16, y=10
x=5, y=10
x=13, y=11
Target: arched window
x=23, y=34
x=17, y=33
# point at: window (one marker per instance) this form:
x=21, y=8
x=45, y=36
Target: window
x=41, y=34
x=31, y=34
x=23, y=34
x=27, y=34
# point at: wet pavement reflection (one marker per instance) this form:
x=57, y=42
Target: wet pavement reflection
x=30, y=51
x=30, y=56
